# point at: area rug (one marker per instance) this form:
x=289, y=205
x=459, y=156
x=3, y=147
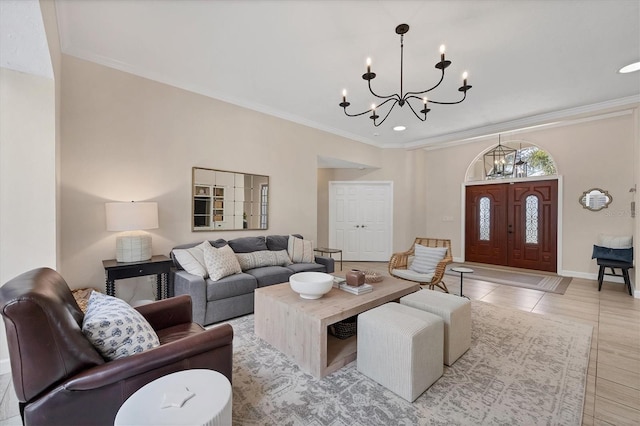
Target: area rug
x=522, y=368
x=542, y=282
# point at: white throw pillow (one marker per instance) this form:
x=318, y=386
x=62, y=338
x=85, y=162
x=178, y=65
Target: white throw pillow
x=221, y=262
x=258, y=259
x=115, y=328
x=427, y=258
x=192, y=259
x=615, y=241
x=300, y=251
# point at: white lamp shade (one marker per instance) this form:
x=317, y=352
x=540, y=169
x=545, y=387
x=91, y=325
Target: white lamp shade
x=131, y=216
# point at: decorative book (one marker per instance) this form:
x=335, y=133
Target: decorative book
x=364, y=288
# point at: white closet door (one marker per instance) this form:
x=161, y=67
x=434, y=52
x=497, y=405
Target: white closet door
x=360, y=219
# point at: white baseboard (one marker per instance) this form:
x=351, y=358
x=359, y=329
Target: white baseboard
x=5, y=366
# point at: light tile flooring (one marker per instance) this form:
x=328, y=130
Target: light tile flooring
x=613, y=382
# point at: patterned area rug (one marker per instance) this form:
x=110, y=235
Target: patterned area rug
x=542, y=282
x=522, y=368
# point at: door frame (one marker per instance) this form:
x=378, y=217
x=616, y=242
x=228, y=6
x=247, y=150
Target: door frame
x=463, y=193
x=330, y=216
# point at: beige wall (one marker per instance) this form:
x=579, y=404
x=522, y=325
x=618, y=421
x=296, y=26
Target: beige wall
x=595, y=153
x=129, y=138
x=406, y=170
x=27, y=178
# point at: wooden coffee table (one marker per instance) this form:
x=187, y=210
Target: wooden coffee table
x=298, y=327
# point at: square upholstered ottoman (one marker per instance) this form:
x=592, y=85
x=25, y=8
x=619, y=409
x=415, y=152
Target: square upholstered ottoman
x=400, y=348
x=455, y=311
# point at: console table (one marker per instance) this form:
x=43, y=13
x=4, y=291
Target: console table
x=160, y=266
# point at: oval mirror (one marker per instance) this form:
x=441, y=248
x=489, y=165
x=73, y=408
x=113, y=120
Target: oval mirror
x=595, y=199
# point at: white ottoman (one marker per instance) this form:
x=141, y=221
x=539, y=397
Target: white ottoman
x=400, y=348
x=456, y=314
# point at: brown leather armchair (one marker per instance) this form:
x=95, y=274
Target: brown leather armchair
x=58, y=376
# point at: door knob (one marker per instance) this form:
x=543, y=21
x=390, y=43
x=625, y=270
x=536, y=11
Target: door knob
x=364, y=226
x=357, y=226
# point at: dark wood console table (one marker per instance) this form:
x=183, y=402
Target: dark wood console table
x=157, y=265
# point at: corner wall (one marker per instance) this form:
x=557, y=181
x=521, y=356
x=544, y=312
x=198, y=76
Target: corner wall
x=27, y=178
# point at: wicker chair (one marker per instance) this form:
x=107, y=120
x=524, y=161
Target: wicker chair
x=398, y=265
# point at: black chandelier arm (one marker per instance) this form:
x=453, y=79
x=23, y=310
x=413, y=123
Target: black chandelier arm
x=355, y=115
x=395, y=102
x=371, y=109
x=394, y=96
x=424, y=118
x=408, y=94
x=450, y=103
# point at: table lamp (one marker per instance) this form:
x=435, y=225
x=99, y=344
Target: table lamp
x=135, y=244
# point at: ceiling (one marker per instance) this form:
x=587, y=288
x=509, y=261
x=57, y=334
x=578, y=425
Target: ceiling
x=529, y=62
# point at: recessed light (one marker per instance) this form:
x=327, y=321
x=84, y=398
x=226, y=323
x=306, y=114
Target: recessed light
x=399, y=128
x=630, y=68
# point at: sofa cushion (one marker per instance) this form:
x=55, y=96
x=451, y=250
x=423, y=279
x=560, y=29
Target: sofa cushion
x=270, y=275
x=277, y=242
x=307, y=267
x=300, y=251
x=192, y=259
x=258, y=259
x=248, y=244
x=115, y=329
x=427, y=258
x=221, y=262
x=233, y=285
x=215, y=243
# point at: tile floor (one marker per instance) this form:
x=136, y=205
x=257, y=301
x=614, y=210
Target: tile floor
x=613, y=382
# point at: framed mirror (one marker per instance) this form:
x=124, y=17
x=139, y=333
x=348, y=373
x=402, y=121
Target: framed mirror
x=595, y=199
x=224, y=200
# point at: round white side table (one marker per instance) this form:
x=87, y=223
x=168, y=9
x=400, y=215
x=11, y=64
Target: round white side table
x=210, y=405
x=462, y=270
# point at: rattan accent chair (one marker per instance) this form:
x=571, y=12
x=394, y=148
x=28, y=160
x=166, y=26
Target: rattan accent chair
x=398, y=265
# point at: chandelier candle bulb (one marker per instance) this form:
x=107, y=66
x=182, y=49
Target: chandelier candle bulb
x=442, y=53
x=368, y=65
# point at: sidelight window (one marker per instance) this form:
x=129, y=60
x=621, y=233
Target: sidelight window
x=531, y=220
x=485, y=219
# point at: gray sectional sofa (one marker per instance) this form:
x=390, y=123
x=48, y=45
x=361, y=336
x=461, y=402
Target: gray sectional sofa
x=232, y=296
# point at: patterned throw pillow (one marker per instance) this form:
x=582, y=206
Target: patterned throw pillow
x=220, y=262
x=192, y=259
x=258, y=259
x=115, y=328
x=300, y=251
x=427, y=258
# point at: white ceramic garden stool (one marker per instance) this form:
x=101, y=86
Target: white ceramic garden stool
x=455, y=311
x=401, y=348
x=205, y=397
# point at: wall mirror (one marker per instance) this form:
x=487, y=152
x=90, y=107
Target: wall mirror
x=595, y=199
x=224, y=200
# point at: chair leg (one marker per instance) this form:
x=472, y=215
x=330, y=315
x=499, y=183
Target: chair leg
x=600, y=277
x=627, y=281
x=441, y=285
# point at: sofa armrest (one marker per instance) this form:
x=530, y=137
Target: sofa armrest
x=327, y=262
x=194, y=286
x=168, y=312
x=153, y=359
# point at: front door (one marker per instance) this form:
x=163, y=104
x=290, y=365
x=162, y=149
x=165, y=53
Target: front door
x=513, y=224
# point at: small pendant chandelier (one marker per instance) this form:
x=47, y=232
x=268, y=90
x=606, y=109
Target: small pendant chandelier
x=403, y=98
x=498, y=162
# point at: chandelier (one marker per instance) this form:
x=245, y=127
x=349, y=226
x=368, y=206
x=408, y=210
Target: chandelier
x=499, y=161
x=403, y=98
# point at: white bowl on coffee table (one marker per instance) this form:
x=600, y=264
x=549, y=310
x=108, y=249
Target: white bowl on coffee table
x=311, y=285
